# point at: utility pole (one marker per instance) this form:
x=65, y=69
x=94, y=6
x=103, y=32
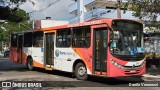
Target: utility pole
x=80, y=10
x=119, y=2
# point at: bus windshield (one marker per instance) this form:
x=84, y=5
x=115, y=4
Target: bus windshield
x=126, y=38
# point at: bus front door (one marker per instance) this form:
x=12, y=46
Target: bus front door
x=49, y=49
x=19, y=49
x=100, y=50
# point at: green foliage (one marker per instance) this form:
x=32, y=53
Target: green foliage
x=18, y=16
x=11, y=27
x=17, y=20
x=1, y=34
x=145, y=8
x=17, y=1
x=13, y=1
x=13, y=15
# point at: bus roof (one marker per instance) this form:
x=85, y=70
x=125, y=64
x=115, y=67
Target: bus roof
x=86, y=23
x=21, y=32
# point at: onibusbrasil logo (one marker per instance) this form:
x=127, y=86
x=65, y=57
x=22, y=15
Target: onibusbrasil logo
x=57, y=53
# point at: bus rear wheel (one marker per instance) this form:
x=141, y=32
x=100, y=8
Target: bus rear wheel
x=81, y=71
x=30, y=64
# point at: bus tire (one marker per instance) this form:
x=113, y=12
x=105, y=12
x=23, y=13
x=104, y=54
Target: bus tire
x=30, y=64
x=81, y=71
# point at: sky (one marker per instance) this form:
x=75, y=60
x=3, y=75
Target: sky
x=1, y=4
x=39, y=9
x=57, y=10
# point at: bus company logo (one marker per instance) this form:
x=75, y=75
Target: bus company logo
x=57, y=53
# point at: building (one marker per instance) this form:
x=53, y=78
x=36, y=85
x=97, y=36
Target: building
x=94, y=9
x=40, y=9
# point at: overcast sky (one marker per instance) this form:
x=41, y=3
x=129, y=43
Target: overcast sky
x=39, y=9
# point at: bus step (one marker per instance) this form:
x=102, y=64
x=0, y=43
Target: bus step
x=47, y=68
x=99, y=75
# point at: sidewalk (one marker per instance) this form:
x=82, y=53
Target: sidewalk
x=152, y=74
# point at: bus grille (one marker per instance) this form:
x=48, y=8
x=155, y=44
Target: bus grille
x=129, y=72
x=131, y=67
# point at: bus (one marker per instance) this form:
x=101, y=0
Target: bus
x=103, y=47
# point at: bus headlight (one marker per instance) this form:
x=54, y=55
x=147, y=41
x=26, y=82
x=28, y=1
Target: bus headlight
x=143, y=64
x=116, y=64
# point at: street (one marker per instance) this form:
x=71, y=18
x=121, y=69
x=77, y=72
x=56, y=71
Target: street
x=10, y=71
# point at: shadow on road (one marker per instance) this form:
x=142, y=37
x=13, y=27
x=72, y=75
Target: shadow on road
x=115, y=81
x=6, y=65
x=54, y=72
x=99, y=80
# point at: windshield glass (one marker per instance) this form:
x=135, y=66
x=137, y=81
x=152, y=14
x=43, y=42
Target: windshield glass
x=126, y=38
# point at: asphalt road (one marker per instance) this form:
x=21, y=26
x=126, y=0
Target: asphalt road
x=10, y=71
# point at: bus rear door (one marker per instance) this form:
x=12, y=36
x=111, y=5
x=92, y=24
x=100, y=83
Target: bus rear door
x=49, y=49
x=20, y=49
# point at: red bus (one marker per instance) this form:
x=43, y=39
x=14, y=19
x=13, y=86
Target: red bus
x=104, y=47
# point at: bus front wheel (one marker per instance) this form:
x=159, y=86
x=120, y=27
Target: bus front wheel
x=30, y=64
x=81, y=71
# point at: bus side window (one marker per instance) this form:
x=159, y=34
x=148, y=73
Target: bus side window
x=14, y=40
x=38, y=39
x=28, y=39
x=63, y=38
x=81, y=37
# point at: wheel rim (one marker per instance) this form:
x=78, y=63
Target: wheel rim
x=82, y=71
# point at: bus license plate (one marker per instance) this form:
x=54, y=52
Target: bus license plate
x=132, y=71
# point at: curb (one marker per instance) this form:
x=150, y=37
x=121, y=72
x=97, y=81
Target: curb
x=151, y=76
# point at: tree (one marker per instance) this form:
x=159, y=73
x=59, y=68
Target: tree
x=145, y=9
x=13, y=15
x=14, y=27
x=11, y=2
x=16, y=21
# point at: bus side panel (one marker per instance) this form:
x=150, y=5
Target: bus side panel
x=38, y=56
x=13, y=48
x=65, y=58
x=13, y=54
x=27, y=51
x=86, y=55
